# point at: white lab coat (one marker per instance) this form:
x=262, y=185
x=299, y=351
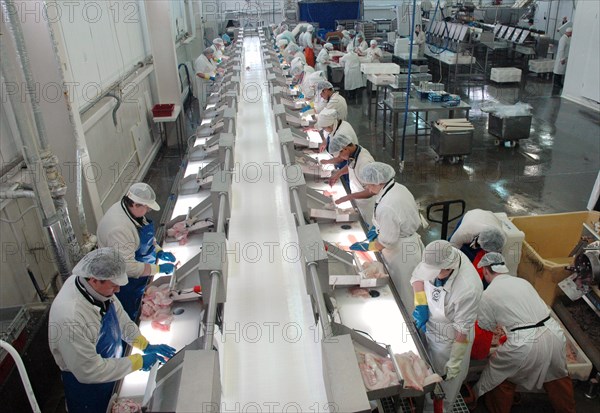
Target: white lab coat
x=306, y=40
x=374, y=54
x=73, y=330
x=530, y=357
x=309, y=82
x=365, y=206
x=323, y=60
x=300, y=56
x=353, y=78
x=208, y=67
x=452, y=308
x=118, y=231
x=362, y=46
x=562, y=52
x=337, y=102
x=344, y=128
x=397, y=219
x=420, y=41
x=345, y=42
x=299, y=27
x=286, y=35
x=473, y=222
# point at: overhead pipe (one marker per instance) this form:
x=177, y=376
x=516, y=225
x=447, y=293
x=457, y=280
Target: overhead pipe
x=27, y=139
x=17, y=194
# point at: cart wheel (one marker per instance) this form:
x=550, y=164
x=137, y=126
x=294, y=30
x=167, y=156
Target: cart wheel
x=454, y=160
x=497, y=142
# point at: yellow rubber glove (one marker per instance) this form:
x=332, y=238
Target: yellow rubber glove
x=457, y=354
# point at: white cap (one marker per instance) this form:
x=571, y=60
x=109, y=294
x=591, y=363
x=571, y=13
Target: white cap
x=102, y=264
x=328, y=46
x=282, y=43
x=345, y=32
x=569, y=30
x=495, y=261
x=310, y=28
x=440, y=255
x=218, y=40
x=376, y=173
x=142, y=193
x=337, y=143
x=326, y=118
x=322, y=85
x=373, y=42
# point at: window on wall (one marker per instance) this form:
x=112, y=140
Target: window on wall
x=104, y=42
x=179, y=20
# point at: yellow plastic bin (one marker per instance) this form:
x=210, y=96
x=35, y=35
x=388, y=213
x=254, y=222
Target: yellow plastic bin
x=549, y=239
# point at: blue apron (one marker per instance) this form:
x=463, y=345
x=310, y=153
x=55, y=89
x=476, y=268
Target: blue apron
x=131, y=294
x=345, y=178
x=94, y=398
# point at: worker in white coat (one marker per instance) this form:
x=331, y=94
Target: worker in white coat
x=286, y=34
x=345, y=40
x=353, y=78
x=330, y=122
x=218, y=46
x=562, y=57
x=323, y=58
x=374, y=52
x=359, y=44
x=310, y=82
x=333, y=99
x=126, y=228
x=453, y=291
x=86, y=328
x=396, y=220
x=534, y=354
x=357, y=157
x=465, y=236
x=420, y=40
x=206, y=73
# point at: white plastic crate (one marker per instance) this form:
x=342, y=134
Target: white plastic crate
x=380, y=68
x=541, y=65
x=506, y=74
x=380, y=80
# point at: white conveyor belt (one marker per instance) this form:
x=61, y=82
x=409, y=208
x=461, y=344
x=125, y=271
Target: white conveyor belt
x=270, y=358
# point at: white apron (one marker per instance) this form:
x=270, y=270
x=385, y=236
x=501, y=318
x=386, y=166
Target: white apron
x=440, y=336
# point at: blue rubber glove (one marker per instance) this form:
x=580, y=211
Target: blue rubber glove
x=280, y=60
x=165, y=256
x=363, y=246
x=372, y=234
x=421, y=315
x=213, y=78
x=301, y=96
x=150, y=360
x=161, y=350
x=166, y=268
x=306, y=108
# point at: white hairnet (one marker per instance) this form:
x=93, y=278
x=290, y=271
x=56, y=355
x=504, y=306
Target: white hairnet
x=373, y=42
x=338, y=142
x=296, y=70
x=346, y=33
x=339, y=27
x=441, y=255
x=328, y=46
x=326, y=118
x=283, y=26
x=323, y=85
x=376, y=173
x=569, y=30
x=495, y=260
x=208, y=51
x=310, y=28
x=282, y=43
x=102, y=264
x=142, y=193
x=218, y=40
x=491, y=239
x=293, y=48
